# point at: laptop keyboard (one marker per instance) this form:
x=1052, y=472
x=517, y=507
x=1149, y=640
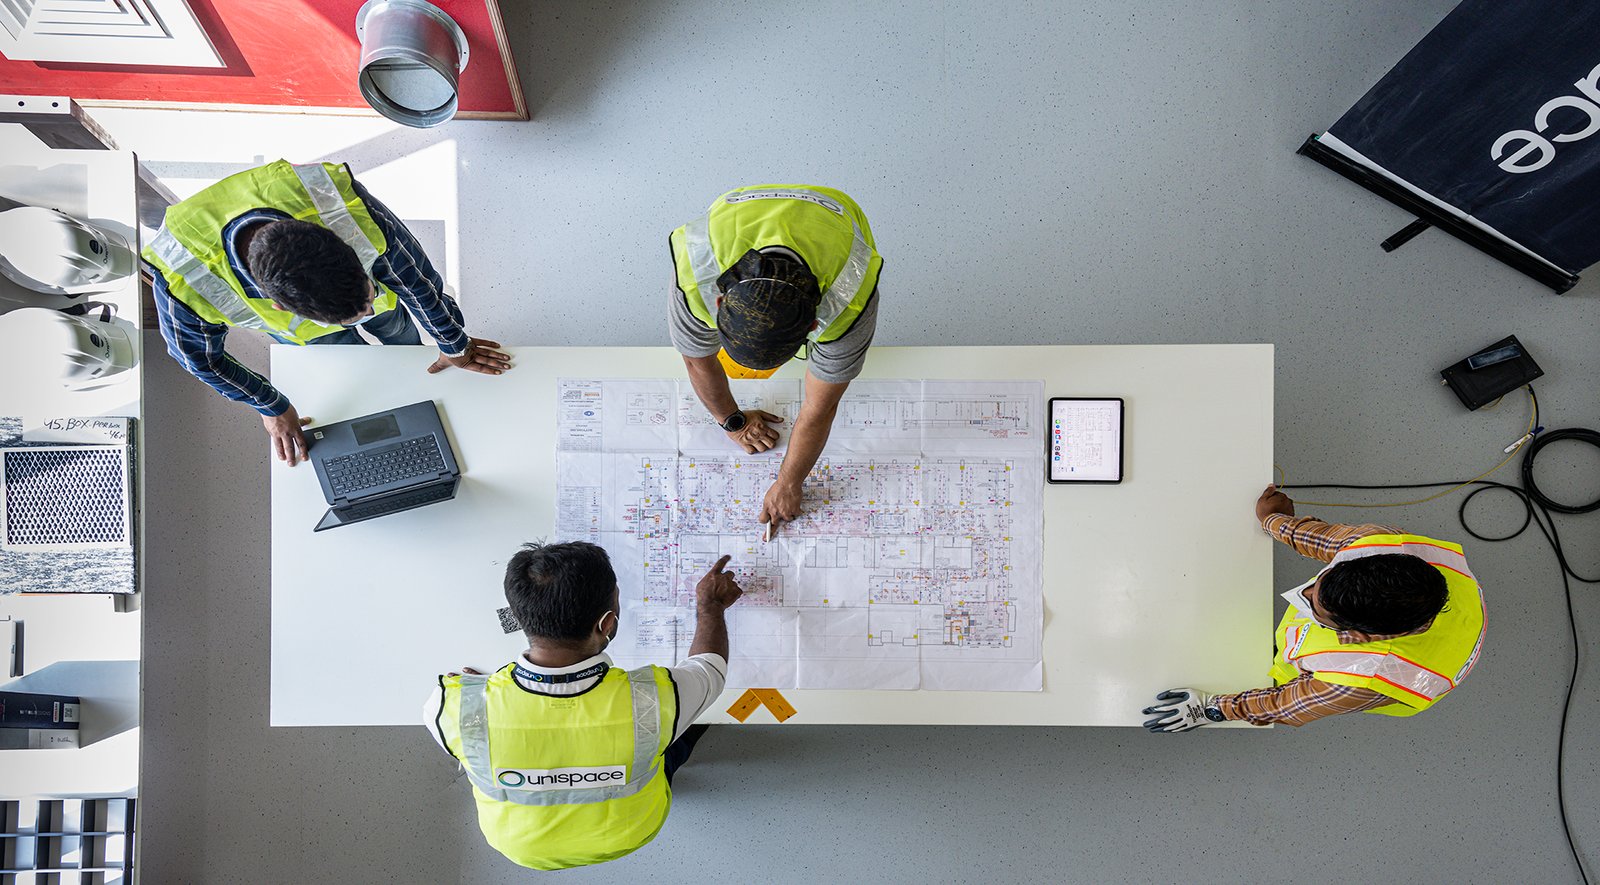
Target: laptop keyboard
x=392, y=503
x=375, y=467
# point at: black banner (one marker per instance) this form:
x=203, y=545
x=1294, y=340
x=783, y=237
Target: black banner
x=1496, y=113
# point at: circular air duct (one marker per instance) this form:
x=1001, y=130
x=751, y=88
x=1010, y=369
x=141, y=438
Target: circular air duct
x=411, y=56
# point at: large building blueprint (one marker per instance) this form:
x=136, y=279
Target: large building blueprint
x=916, y=564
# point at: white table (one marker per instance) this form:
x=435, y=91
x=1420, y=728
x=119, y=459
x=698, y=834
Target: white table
x=99, y=186
x=71, y=643
x=1161, y=581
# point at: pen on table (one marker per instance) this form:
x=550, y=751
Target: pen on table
x=766, y=532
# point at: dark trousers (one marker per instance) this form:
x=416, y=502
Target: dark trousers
x=678, y=751
x=391, y=327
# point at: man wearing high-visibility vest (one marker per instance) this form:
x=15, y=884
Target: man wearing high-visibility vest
x=1391, y=625
x=304, y=254
x=570, y=758
x=773, y=272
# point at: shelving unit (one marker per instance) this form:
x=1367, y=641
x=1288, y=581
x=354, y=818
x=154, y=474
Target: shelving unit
x=66, y=841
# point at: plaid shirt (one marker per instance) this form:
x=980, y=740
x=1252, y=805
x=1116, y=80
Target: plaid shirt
x=1306, y=698
x=403, y=267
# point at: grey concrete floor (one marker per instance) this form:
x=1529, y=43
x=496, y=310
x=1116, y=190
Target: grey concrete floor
x=1035, y=173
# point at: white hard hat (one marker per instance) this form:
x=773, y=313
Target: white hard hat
x=52, y=252
x=36, y=342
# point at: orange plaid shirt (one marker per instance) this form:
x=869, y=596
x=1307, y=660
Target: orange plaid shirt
x=1306, y=698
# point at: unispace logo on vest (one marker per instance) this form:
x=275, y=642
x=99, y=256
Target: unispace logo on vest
x=561, y=778
x=826, y=203
x=1533, y=150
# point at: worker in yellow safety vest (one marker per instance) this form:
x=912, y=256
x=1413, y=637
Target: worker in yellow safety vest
x=773, y=272
x=1391, y=625
x=570, y=757
x=306, y=255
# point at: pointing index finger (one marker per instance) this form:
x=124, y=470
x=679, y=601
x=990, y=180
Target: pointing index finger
x=717, y=569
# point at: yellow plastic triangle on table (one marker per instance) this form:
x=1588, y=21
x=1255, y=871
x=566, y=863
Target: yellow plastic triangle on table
x=756, y=698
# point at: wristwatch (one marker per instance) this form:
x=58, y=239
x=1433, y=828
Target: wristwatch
x=1215, y=714
x=735, y=422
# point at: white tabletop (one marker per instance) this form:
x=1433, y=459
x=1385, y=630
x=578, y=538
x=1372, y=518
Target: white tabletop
x=1161, y=581
x=70, y=629
x=77, y=644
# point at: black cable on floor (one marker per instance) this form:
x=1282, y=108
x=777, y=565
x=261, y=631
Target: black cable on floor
x=1538, y=507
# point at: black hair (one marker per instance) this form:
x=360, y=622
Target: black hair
x=1384, y=594
x=560, y=591
x=309, y=270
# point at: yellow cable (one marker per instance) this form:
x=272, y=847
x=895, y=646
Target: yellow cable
x=1533, y=421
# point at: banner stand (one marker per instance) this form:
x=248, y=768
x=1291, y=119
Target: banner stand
x=1429, y=214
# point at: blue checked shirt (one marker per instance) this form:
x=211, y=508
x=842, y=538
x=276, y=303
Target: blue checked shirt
x=403, y=267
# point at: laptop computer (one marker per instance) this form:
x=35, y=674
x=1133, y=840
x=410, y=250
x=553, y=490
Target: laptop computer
x=382, y=463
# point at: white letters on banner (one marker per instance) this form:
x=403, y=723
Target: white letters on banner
x=1533, y=141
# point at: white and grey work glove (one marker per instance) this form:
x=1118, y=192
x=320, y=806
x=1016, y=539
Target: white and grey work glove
x=1182, y=709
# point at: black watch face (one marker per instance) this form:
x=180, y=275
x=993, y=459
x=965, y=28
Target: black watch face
x=735, y=422
x=1215, y=715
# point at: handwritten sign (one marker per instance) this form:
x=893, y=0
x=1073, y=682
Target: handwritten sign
x=103, y=430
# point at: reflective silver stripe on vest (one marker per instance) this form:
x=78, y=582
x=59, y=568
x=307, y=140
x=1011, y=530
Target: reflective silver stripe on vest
x=198, y=277
x=1432, y=555
x=703, y=262
x=1477, y=647
x=334, y=213
x=474, y=723
x=1389, y=668
x=846, y=284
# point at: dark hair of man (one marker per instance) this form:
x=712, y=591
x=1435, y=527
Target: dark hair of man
x=309, y=270
x=559, y=592
x=1383, y=595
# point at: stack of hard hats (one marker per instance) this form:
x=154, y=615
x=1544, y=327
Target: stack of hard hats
x=52, y=252
x=39, y=344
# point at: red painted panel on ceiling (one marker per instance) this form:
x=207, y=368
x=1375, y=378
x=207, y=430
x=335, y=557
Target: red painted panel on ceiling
x=281, y=53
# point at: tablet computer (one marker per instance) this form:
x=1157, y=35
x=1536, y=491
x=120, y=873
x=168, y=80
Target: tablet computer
x=1085, y=439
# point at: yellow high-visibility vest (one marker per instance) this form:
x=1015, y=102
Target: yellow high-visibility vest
x=564, y=780
x=1414, y=670
x=189, y=252
x=822, y=225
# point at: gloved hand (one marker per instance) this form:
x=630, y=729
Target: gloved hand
x=1181, y=709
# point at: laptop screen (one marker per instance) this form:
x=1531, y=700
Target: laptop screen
x=375, y=429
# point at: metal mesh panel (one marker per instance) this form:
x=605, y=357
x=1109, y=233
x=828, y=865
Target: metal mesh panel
x=65, y=496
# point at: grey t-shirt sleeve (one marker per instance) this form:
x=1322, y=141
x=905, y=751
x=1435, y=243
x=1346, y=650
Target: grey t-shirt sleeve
x=690, y=336
x=841, y=360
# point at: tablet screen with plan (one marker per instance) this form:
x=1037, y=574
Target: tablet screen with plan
x=1085, y=439
x=916, y=564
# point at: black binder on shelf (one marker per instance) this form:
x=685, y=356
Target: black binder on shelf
x=31, y=721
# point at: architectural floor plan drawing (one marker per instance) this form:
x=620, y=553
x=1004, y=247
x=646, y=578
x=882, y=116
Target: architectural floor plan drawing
x=916, y=564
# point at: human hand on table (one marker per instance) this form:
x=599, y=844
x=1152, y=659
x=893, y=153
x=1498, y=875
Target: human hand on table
x=756, y=435
x=481, y=355
x=288, y=443
x=781, y=504
x=1273, y=501
x=1181, y=709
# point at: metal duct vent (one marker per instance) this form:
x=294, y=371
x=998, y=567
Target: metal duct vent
x=411, y=56
x=65, y=497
